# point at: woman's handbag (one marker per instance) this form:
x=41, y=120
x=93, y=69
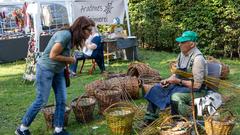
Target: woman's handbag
x=67, y=75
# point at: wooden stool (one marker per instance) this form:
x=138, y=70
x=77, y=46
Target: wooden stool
x=90, y=71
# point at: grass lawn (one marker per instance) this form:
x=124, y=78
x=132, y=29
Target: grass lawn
x=16, y=96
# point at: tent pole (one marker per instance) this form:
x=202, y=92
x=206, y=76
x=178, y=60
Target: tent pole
x=127, y=16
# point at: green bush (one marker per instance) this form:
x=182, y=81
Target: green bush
x=158, y=22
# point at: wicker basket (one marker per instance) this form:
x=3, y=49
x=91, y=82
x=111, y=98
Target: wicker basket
x=128, y=85
x=149, y=79
x=119, y=117
x=107, y=98
x=93, y=86
x=184, y=130
x=113, y=75
x=219, y=127
x=48, y=112
x=131, y=86
x=83, y=108
x=137, y=69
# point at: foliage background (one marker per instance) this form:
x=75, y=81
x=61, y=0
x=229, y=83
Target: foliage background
x=158, y=22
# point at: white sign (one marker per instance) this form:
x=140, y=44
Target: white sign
x=101, y=11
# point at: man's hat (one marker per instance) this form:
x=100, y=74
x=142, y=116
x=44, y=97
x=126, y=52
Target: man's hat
x=187, y=36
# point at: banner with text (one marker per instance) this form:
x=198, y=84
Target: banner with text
x=101, y=11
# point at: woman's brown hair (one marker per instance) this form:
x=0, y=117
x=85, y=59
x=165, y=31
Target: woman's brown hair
x=77, y=31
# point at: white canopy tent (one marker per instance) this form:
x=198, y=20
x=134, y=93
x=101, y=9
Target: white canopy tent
x=76, y=8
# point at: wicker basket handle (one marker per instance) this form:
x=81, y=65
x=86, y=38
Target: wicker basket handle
x=174, y=116
x=222, y=110
x=79, y=99
x=121, y=103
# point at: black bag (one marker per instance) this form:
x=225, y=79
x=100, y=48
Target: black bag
x=67, y=76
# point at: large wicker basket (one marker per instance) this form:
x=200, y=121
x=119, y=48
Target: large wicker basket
x=119, y=117
x=166, y=124
x=93, y=86
x=83, y=108
x=219, y=127
x=137, y=69
x=48, y=112
x=128, y=85
x=107, y=98
x=131, y=87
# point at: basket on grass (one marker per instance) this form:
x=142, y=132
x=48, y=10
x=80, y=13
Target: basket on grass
x=93, y=86
x=113, y=75
x=106, y=98
x=175, y=125
x=119, y=118
x=131, y=87
x=48, y=112
x=137, y=69
x=215, y=125
x=83, y=108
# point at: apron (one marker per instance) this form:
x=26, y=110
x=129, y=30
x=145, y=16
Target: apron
x=161, y=97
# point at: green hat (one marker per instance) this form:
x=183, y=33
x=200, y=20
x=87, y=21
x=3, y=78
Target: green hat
x=187, y=36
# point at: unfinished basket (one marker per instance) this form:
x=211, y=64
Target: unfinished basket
x=107, y=98
x=119, y=117
x=83, y=108
x=219, y=127
x=48, y=112
x=182, y=127
x=137, y=69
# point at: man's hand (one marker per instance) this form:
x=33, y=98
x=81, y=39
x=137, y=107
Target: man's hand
x=164, y=83
x=173, y=80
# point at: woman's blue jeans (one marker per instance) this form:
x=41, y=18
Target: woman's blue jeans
x=45, y=79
